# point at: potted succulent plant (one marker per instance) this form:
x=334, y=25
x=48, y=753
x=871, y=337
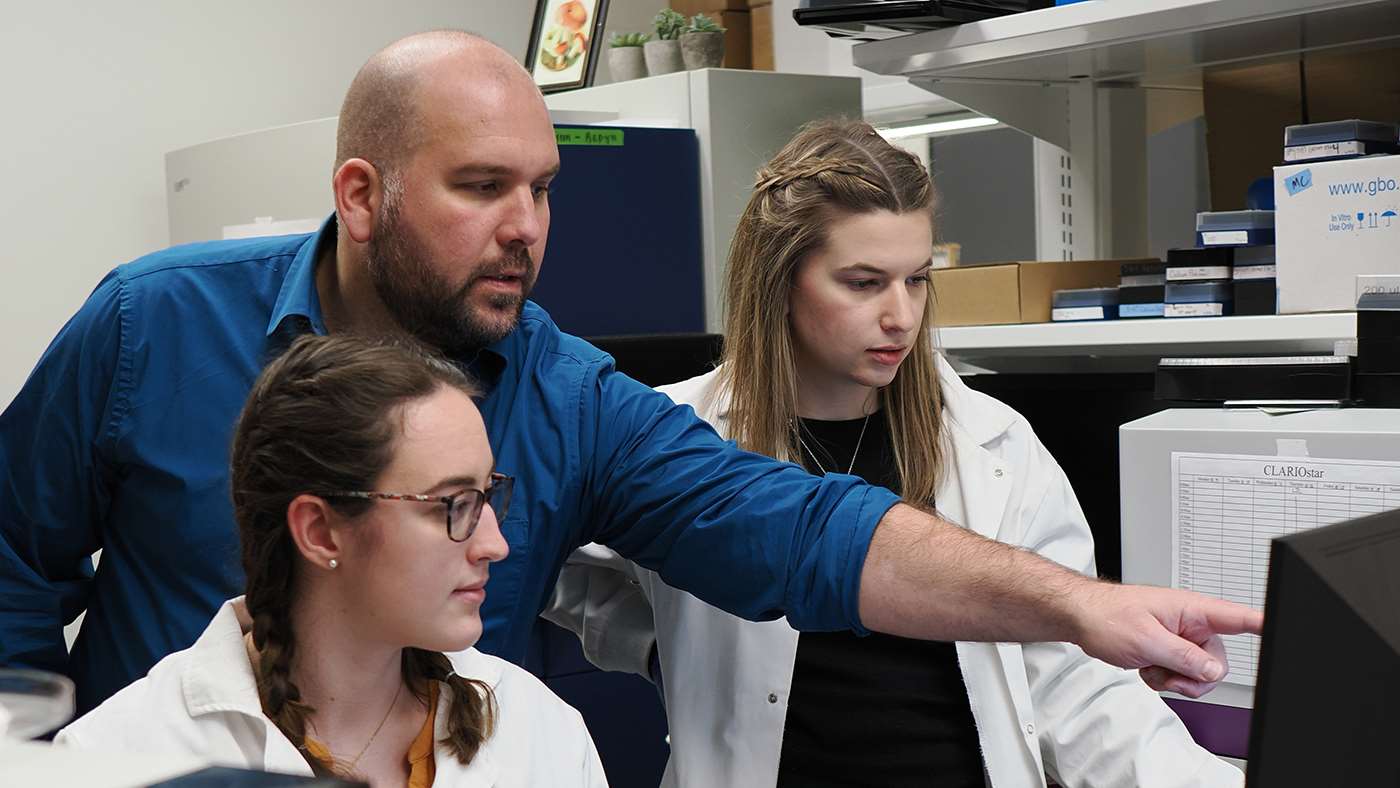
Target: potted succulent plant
x=625, y=56
x=702, y=43
x=663, y=54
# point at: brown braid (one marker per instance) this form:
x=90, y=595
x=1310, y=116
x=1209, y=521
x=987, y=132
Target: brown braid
x=781, y=177
x=323, y=417
x=472, y=716
x=280, y=697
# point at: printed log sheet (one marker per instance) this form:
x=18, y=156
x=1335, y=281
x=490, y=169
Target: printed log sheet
x=1227, y=507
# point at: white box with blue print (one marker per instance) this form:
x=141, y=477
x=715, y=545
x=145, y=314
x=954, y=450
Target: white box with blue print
x=1335, y=220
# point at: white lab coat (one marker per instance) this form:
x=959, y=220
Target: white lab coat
x=1040, y=708
x=204, y=700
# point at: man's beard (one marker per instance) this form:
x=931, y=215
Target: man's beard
x=428, y=306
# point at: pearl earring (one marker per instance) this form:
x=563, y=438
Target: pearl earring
x=334, y=563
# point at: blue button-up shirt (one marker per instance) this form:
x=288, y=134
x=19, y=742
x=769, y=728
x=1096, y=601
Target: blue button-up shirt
x=119, y=441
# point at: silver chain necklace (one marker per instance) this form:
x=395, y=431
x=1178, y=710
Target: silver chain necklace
x=854, y=454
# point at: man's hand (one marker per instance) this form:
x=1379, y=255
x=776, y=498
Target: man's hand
x=1172, y=637
x=927, y=578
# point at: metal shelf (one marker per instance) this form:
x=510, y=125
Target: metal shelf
x=1032, y=70
x=1130, y=41
x=1136, y=345
x=1077, y=77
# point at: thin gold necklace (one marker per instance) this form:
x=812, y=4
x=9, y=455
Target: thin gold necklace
x=350, y=767
x=854, y=454
x=380, y=727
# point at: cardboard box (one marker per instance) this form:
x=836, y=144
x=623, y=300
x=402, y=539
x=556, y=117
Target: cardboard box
x=1001, y=293
x=1333, y=221
x=761, y=18
x=711, y=7
x=976, y=295
x=1246, y=111
x=1247, y=107
x=738, y=39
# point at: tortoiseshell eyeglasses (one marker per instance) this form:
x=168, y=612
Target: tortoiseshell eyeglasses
x=463, y=508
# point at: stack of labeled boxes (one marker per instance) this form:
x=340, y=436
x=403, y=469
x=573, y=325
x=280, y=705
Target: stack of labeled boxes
x=1026, y=292
x=1142, y=290
x=1230, y=271
x=1337, y=225
x=1338, y=201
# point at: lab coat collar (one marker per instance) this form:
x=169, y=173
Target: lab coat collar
x=981, y=417
x=484, y=770
x=975, y=484
x=218, y=678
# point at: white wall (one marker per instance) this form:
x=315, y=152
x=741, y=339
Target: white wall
x=624, y=16
x=96, y=93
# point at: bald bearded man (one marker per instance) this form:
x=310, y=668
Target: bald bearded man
x=445, y=154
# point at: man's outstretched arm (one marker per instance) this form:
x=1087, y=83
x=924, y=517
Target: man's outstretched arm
x=927, y=578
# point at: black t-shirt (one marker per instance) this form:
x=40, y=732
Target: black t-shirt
x=876, y=710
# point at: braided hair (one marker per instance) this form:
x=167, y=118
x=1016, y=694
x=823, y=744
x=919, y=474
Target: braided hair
x=781, y=175
x=323, y=416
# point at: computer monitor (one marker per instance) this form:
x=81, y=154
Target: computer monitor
x=1327, y=699
x=658, y=359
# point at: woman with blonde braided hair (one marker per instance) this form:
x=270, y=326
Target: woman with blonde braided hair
x=367, y=504
x=829, y=363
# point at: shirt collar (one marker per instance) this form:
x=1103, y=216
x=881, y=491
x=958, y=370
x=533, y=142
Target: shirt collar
x=298, y=310
x=218, y=676
x=298, y=301
x=486, y=365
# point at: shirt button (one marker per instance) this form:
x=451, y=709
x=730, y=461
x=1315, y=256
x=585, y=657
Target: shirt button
x=1030, y=729
x=997, y=473
x=772, y=697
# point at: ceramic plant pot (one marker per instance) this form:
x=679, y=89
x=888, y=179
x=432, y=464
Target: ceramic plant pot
x=702, y=50
x=626, y=63
x=663, y=57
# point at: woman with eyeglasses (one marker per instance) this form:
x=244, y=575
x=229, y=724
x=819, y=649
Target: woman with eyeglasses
x=829, y=363
x=367, y=507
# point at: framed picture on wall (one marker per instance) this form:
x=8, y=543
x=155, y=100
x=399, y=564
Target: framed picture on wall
x=565, y=43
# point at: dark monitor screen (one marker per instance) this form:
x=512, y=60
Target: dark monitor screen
x=658, y=359
x=1328, y=692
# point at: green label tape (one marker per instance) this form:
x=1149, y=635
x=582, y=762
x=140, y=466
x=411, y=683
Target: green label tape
x=588, y=136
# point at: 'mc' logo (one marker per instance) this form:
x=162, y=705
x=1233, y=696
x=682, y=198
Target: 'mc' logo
x=1297, y=182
